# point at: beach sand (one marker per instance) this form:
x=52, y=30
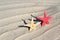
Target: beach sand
x=13, y=11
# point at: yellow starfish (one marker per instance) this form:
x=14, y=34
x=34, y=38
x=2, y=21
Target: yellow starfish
x=32, y=25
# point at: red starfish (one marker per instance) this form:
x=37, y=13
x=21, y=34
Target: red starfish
x=45, y=19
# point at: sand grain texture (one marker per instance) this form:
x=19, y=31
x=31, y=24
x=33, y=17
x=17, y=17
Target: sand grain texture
x=13, y=11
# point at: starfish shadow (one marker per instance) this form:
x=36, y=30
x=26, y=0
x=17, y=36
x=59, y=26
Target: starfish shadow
x=23, y=25
x=24, y=21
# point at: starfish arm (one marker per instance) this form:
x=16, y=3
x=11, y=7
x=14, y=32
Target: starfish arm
x=43, y=23
x=45, y=14
x=30, y=29
x=39, y=18
x=37, y=23
x=32, y=22
x=49, y=17
x=48, y=22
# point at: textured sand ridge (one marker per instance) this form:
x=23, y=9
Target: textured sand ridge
x=13, y=11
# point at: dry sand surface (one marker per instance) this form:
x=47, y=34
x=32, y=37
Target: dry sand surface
x=13, y=11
